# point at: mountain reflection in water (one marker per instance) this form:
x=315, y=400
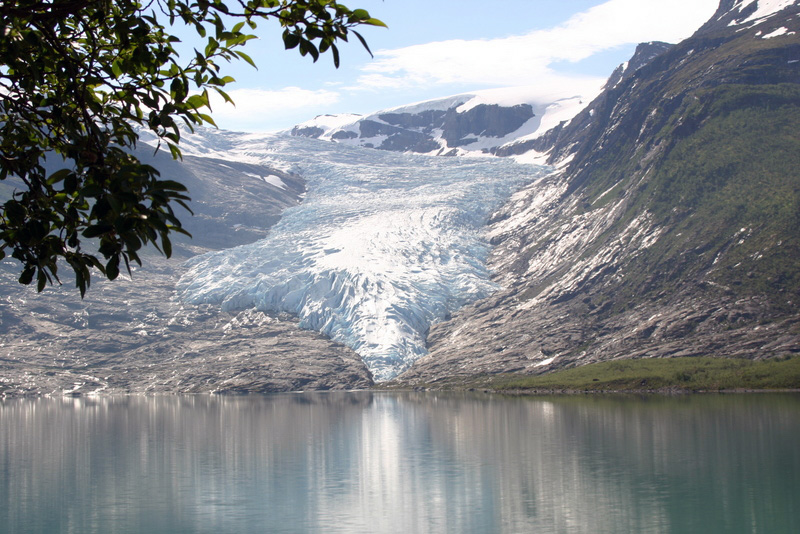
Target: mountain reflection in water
x=407, y=462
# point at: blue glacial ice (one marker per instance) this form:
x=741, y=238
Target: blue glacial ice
x=383, y=246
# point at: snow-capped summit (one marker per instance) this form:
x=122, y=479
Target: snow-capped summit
x=468, y=124
x=755, y=11
x=322, y=126
x=746, y=13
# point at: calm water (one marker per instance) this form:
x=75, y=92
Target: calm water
x=366, y=462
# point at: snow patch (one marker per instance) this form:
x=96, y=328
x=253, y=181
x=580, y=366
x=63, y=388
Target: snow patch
x=271, y=179
x=764, y=8
x=776, y=33
x=532, y=157
x=331, y=122
x=542, y=363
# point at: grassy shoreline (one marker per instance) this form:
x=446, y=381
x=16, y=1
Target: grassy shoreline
x=650, y=375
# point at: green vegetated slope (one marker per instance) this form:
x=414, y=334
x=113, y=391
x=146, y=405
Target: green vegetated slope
x=704, y=142
x=707, y=145
x=689, y=374
x=729, y=197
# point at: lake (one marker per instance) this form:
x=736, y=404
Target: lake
x=401, y=462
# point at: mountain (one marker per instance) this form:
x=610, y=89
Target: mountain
x=469, y=124
x=671, y=228
x=557, y=141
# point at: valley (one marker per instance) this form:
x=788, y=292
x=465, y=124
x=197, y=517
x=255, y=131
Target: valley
x=478, y=235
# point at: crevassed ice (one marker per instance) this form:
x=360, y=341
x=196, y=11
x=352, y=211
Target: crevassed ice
x=383, y=246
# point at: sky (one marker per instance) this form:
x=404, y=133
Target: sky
x=438, y=48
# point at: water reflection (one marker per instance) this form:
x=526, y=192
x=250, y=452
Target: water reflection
x=367, y=462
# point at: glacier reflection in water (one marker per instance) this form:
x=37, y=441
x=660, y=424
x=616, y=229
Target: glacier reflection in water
x=383, y=245
x=404, y=463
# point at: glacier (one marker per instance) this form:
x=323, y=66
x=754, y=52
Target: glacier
x=382, y=246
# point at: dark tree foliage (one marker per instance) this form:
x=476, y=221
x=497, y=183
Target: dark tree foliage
x=80, y=78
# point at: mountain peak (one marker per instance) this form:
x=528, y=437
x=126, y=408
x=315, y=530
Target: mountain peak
x=644, y=54
x=467, y=124
x=745, y=13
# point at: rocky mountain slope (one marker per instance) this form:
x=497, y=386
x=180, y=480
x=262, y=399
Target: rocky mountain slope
x=134, y=336
x=672, y=229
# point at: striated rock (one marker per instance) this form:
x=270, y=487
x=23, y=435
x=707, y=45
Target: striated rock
x=344, y=134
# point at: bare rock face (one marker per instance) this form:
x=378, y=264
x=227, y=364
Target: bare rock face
x=311, y=131
x=133, y=336
x=484, y=120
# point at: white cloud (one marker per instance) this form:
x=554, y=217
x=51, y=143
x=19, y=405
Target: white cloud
x=528, y=59
x=263, y=108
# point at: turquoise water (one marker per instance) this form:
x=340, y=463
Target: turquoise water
x=413, y=462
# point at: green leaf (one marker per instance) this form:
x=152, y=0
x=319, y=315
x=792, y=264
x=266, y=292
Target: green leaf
x=41, y=281
x=14, y=212
x=363, y=43
x=175, y=151
x=58, y=176
x=197, y=101
x=96, y=230
x=245, y=57
x=70, y=183
x=359, y=15
x=207, y=118
x=112, y=268
x=225, y=96
x=211, y=47
x=168, y=185
x=375, y=22
x=166, y=245
x=27, y=275
x=290, y=40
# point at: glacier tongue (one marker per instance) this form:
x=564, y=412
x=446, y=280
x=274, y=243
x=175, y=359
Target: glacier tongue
x=384, y=245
